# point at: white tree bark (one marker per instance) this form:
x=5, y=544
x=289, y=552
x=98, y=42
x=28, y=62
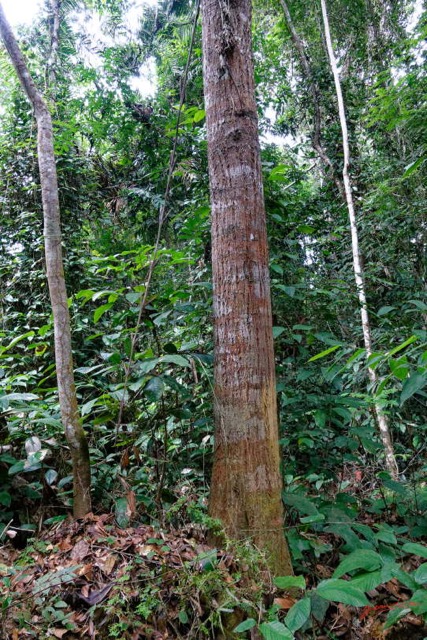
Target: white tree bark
x=381, y=417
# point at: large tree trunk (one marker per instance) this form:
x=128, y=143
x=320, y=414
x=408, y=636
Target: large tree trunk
x=74, y=432
x=246, y=481
x=381, y=417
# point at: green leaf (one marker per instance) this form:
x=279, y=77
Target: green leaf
x=385, y=310
x=101, y=310
x=325, y=353
x=290, y=582
x=386, y=535
x=5, y=498
x=342, y=591
x=394, y=615
x=199, y=115
x=277, y=331
x=367, y=581
x=121, y=512
x=415, y=548
x=399, y=367
x=154, y=389
x=28, y=334
x=275, y=631
x=51, y=476
x=300, y=503
x=174, y=358
x=360, y=559
x=412, y=167
x=413, y=384
x=145, y=366
x=298, y=614
x=245, y=625
x=183, y=617
x=318, y=517
x=420, y=575
x=290, y=291
x=418, y=602
x=402, y=346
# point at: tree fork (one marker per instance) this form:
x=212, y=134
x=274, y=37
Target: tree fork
x=246, y=481
x=74, y=432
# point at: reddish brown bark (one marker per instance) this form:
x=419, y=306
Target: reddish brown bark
x=74, y=432
x=246, y=481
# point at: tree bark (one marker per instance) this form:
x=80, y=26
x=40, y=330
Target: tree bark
x=246, y=480
x=74, y=432
x=381, y=417
x=55, y=7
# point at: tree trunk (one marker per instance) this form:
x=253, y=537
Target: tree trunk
x=74, y=432
x=246, y=481
x=315, y=92
x=381, y=417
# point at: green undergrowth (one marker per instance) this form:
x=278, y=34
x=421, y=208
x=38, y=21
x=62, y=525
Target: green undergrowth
x=358, y=562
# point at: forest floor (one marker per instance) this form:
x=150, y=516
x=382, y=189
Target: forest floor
x=92, y=579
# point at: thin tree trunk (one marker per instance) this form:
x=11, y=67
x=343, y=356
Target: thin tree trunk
x=246, y=480
x=381, y=417
x=54, y=42
x=74, y=432
x=315, y=92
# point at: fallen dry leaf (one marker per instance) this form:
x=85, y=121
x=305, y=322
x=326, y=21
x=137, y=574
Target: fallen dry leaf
x=58, y=633
x=284, y=603
x=80, y=550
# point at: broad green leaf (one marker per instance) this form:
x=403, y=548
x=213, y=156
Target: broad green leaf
x=145, y=366
x=386, y=535
x=88, y=406
x=154, y=389
x=199, y=115
x=360, y=559
x=418, y=602
x=51, y=476
x=290, y=582
x=414, y=383
x=385, y=310
x=419, y=304
x=394, y=615
x=122, y=512
x=277, y=331
x=275, y=631
x=101, y=310
x=28, y=334
x=300, y=503
x=367, y=581
x=298, y=615
x=319, y=607
x=174, y=358
x=325, y=353
x=342, y=591
x=420, y=575
x=290, y=291
x=416, y=548
x=399, y=367
x=402, y=346
x=5, y=498
x=318, y=517
x=245, y=625
x=16, y=397
x=412, y=167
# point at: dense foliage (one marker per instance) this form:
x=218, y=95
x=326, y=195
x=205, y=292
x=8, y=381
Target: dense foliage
x=134, y=201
